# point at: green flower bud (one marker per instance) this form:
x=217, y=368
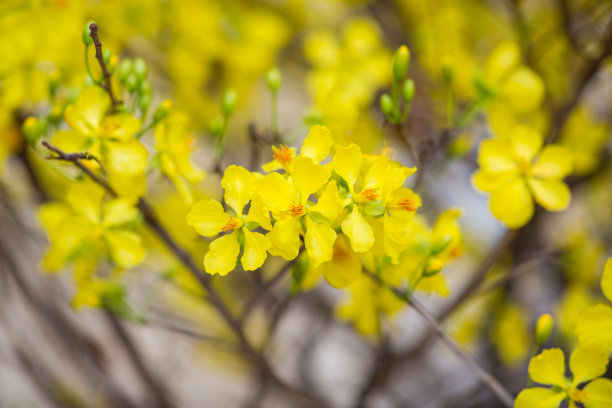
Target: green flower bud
x=56, y=113
x=274, y=79
x=131, y=83
x=145, y=88
x=106, y=55
x=401, y=59
x=145, y=101
x=544, y=327
x=433, y=266
x=31, y=129
x=386, y=104
x=162, y=110
x=228, y=102
x=448, y=73
x=408, y=90
x=140, y=68
x=126, y=67
x=87, y=40
x=54, y=81
x=441, y=244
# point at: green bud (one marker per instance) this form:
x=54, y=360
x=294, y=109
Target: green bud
x=408, y=90
x=433, y=266
x=162, y=110
x=274, y=79
x=386, y=104
x=140, y=68
x=145, y=88
x=87, y=40
x=401, y=59
x=54, y=81
x=126, y=66
x=448, y=73
x=56, y=113
x=31, y=129
x=544, y=327
x=145, y=101
x=228, y=102
x=217, y=126
x=106, y=55
x=440, y=244
x=131, y=83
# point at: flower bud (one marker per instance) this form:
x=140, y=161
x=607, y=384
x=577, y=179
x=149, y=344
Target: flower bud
x=274, y=79
x=126, y=66
x=54, y=81
x=144, y=101
x=447, y=73
x=31, y=129
x=401, y=60
x=217, y=126
x=440, y=244
x=106, y=55
x=408, y=90
x=131, y=83
x=544, y=327
x=386, y=104
x=228, y=102
x=162, y=110
x=140, y=68
x=112, y=63
x=87, y=40
x=433, y=266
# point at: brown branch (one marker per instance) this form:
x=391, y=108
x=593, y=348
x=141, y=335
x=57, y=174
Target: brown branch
x=108, y=87
x=495, y=386
x=258, y=360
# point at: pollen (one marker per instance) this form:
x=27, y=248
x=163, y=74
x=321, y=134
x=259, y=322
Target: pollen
x=296, y=210
x=367, y=195
x=231, y=224
x=408, y=204
x=283, y=155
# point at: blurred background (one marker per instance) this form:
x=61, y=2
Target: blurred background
x=168, y=348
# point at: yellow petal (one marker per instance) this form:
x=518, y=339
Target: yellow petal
x=595, y=326
x=526, y=143
x=277, y=190
x=539, y=397
x=598, y=393
x=347, y=163
x=512, y=203
x=222, y=254
x=70, y=141
x=126, y=247
x=316, y=145
x=285, y=238
x=85, y=198
x=489, y=182
x=554, y=195
x=329, y=204
x=120, y=126
x=495, y=156
x=258, y=213
x=133, y=186
x=524, y=90
x=504, y=57
x=359, y=231
x=319, y=241
x=207, y=217
x=308, y=177
x=345, y=266
x=119, y=211
x=126, y=158
x=255, y=247
x=85, y=115
x=555, y=161
x=238, y=185
x=548, y=368
x=586, y=363
x=606, y=280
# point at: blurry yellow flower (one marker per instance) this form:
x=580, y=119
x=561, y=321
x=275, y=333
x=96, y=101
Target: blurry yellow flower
x=595, y=323
x=508, y=172
x=586, y=363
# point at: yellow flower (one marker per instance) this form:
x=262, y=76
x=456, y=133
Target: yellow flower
x=287, y=199
x=508, y=172
x=595, y=323
x=341, y=270
x=209, y=219
x=316, y=145
x=586, y=363
x=109, y=137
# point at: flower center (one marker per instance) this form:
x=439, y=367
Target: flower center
x=296, y=209
x=283, y=155
x=523, y=166
x=231, y=224
x=367, y=195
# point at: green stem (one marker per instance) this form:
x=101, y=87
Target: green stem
x=87, y=67
x=274, y=115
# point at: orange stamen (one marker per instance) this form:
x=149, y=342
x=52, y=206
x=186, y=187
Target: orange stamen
x=367, y=195
x=283, y=155
x=296, y=210
x=231, y=224
x=407, y=204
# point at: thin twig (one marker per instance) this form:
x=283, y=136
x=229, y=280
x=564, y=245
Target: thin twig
x=495, y=386
x=108, y=86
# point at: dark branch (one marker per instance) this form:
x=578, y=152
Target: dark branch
x=93, y=33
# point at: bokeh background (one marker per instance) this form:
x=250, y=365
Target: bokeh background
x=335, y=58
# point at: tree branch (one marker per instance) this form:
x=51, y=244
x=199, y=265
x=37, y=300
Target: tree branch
x=108, y=86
